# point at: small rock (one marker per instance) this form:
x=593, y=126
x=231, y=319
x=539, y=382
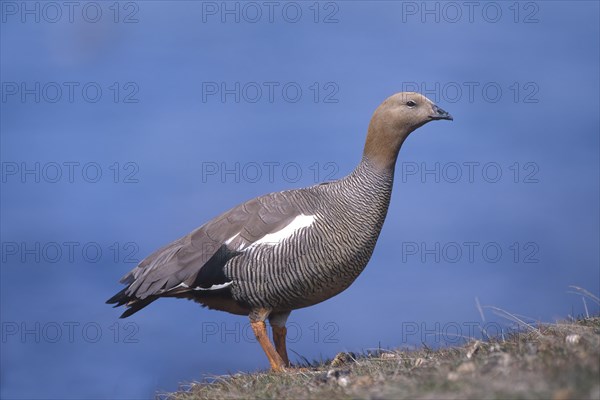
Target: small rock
x=573, y=339
x=388, y=355
x=336, y=373
x=343, y=381
x=339, y=376
x=418, y=362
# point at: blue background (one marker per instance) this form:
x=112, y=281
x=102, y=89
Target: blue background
x=170, y=129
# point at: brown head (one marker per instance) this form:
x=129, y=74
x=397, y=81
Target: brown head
x=393, y=121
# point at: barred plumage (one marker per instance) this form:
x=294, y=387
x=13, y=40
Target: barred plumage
x=318, y=262
x=285, y=250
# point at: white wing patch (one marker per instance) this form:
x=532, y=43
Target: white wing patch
x=231, y=238
x=272, y=239
x=213, y=287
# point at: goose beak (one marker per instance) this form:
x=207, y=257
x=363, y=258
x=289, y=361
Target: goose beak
x=439, y=113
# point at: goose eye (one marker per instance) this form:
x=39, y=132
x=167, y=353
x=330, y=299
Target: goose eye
x=411, y=103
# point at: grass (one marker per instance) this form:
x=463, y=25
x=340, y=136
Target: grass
x=548, y=361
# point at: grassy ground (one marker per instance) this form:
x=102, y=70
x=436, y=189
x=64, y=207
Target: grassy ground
x=558, y=361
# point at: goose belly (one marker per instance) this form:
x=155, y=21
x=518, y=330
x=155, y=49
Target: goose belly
x=305, y=270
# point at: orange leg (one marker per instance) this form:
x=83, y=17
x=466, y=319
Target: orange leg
x=260, y=331
x=279, y=333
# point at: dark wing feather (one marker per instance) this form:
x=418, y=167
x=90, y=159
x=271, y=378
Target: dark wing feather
x=197, y=259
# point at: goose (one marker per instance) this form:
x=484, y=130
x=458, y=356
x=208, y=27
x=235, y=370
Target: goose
x=286, y=250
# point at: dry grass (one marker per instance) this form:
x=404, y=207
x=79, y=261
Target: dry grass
x=557, y=361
